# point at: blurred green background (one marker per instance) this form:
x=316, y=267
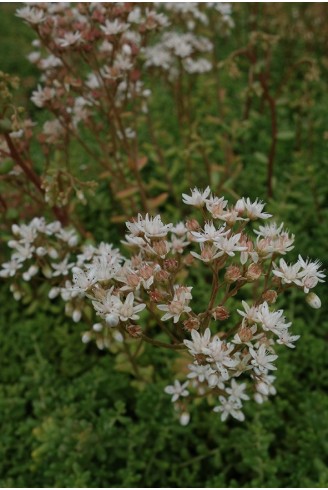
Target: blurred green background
x=68, y=418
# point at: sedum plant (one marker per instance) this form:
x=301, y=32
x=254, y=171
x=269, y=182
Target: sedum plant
x=205, y=288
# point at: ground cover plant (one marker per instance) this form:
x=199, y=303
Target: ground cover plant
x=136, y=106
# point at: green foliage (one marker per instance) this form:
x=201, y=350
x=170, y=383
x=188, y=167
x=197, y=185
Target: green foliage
x=69, y=419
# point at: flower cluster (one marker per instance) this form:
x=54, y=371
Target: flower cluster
x=99, y=64
x=152, y=289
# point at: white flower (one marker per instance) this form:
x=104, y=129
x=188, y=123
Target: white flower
x=32, y=15
x=197, y=198
x=68, y=236
x=288, y=273
x=179, y=229
x=264, y=385
x=218, y=352
x=104, y=268
x=310, y=274
x=215, y=205
x=272, y=320
x=236, y=391
x=262, y=360
x=208, y=253
x=42, y=95
x=229, y=245
x=109, y=305
x=175, y=308
x=209, y=234
x=69, y=39
x=269, y=230
x=127, y=311
x=177, y=390
x=200, y=65
x=198, y=342
x=62, y=268
x=253, y=210
x=82, y=280
x=201, y=373
x=113, y=27
x=286, y=339
x=9, y=269
x=178, y=244
x=149, y=227
x=250, y=314
x=228, y=407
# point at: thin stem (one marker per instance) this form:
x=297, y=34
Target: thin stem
x=158, y=343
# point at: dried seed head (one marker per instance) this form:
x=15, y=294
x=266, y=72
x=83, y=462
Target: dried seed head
x=270, y=296
x=276, y=281
x=134, y=331
x=254, y=272
x=162, y=276
x=201, y=359
x=98, y=291
x=192, y=225
x=220, y=313
x=156, y=296
x=189, y=260
x=233, y=273
x=160, y=247
x=191, y=323
x=171, y=265
x=132, y=280
x=245, y=334
x=146, y=271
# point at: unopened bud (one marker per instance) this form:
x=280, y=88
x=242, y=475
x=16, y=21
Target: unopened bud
x=233, y=273
x=192, y=225
x=41, y=251
x=97, y=327
x=313, y=300
x=76, y=316
x=17, y=295
x=15, y=229
x=86, y=337
x=26, y=276
x=270, y=296
x=253, y=273
x=112, y=319
x=192, y=323
x=53, y=293
x=134, y=331
x=52, y=252
x=33, y=270
x=220, y=313
x=184, y=418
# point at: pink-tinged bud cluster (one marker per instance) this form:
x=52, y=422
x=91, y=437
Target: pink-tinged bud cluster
x=153, y=290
